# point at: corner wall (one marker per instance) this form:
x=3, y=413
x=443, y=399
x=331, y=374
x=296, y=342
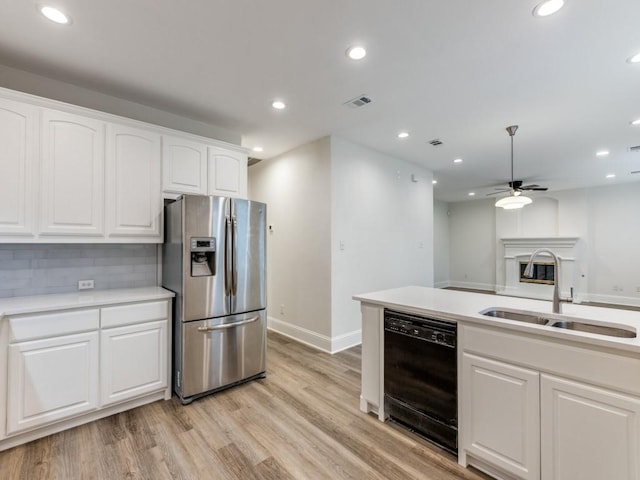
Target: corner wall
x=296, y=187
x=346, y=220
x=381, y=231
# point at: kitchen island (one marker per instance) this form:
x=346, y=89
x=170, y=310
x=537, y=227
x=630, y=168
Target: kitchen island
x=534, y=401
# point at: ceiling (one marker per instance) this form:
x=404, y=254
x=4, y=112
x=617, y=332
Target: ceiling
x=457, y=70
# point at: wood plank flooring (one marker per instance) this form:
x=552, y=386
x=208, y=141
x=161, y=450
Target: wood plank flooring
x=301, y=422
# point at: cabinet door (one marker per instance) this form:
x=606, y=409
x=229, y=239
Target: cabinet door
x=133, y=361
x=17, y=124
x=501, y=415
x=588, y=433
x=134, y=197
x=227, y=173
x=184, y=166
x=72, y=175
x=51, y=379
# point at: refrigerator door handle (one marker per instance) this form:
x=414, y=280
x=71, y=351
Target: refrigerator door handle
x=228, y=325
x=228, y=257
x=234, y=288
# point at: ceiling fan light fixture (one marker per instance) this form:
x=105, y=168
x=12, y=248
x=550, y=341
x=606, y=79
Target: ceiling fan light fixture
x=512, y=202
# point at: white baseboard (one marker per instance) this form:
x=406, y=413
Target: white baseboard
x=345, y=341
x=614, y=299
x=444, y=284
x=314, y=339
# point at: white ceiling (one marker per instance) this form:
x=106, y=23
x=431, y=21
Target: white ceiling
x=457, y=70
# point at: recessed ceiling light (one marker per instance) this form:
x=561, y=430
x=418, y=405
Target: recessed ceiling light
x=471, y=194
x=602, y=153
x=457, y=160
x=258, y=149
x=611, y=175
x=434, y=181
x=403, y=134
x=54, y=14
x=636, y=121
x=547, y=8
x=634, y=59
x=278, y=104
x=356, y=52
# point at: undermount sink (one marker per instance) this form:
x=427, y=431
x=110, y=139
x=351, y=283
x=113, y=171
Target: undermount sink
x=557, y=323
x=591, y=328
x=518, y=316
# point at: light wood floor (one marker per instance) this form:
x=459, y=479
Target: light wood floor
x=301, y=422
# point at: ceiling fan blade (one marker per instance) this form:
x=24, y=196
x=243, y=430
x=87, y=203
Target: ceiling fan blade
x=536, y=188
x=533, y=185
x=497, y=193
x=502, y=189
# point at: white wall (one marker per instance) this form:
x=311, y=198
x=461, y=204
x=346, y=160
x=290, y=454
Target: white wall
x=441, y=242
x=296, y=187
x=381, y=230
x=65, y=92
x=605, y=219
x=472, y=254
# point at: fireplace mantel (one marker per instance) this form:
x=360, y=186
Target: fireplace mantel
x=519, y=249
x=540, y=242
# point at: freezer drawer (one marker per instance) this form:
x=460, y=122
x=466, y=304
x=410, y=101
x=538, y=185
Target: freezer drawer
x=220, y=352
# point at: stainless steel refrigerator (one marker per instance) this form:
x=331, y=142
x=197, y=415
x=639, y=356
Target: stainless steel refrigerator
x=214, y=260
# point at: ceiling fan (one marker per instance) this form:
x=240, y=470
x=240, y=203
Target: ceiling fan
x=516, y=187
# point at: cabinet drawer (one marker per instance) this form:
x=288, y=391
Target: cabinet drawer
x=32, y=327
x=134, y=313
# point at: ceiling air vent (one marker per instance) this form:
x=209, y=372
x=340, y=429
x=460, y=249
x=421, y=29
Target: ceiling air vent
x=633, y=173
x=635, y=149
x=359, y=101
x=436, y=142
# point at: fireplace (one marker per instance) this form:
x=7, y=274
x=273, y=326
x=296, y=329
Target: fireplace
x=517, y=253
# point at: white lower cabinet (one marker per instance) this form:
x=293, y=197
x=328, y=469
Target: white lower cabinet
x=68, y=367
x=133, y=361
x=501, y=415
x=533, y=408
x=50, y=380
x=588, y=433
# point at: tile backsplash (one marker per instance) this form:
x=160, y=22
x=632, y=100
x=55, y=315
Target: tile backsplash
x=40, y=269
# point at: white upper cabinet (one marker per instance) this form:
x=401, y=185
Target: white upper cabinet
x=227, y=173
x=17, y=128
x=72, y=175
x=134, y=196
x=184, y=166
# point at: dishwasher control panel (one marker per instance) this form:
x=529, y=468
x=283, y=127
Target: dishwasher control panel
x=428, y=329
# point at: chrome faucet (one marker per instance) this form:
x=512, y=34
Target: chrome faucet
x=528, y=272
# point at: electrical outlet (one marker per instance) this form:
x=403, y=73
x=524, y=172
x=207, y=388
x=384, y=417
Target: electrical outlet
x=637, y=288
x=85, y=284
x=282, y=309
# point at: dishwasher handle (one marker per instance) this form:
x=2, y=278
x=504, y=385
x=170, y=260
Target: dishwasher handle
x=226, y=326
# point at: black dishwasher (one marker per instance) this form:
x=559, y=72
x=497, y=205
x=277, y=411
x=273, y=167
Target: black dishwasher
x=420, y=376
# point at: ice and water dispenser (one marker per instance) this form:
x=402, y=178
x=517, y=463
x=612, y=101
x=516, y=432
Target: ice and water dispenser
x=203, y=256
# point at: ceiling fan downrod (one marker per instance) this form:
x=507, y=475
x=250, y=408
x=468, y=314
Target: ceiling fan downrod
x=512, y=131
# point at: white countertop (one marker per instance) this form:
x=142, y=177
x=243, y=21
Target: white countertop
x=466, y=307
x=44, y=303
